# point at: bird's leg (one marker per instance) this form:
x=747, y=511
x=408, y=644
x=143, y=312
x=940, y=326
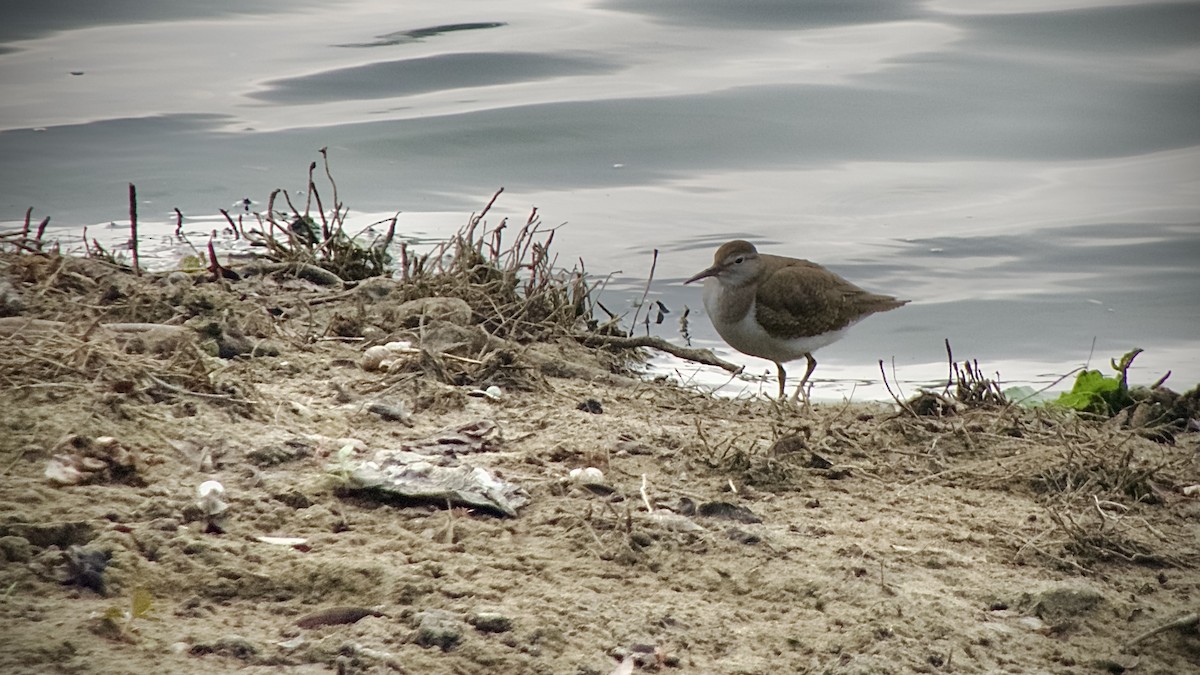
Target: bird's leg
x=782, y=380
x=802, y=389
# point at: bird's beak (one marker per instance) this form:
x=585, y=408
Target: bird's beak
x=710, y=272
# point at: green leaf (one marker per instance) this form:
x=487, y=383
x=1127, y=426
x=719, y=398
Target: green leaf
x=1026, y=396
x=1094, y=393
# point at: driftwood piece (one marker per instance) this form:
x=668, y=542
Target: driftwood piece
x=335, y=616
x=313, y=273
x=18, y=325
x=1185, y=622
x=702, y=356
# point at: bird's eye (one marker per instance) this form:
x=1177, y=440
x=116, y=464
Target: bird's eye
x=738, y=260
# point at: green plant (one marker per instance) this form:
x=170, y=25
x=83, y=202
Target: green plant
x=344, y=463
x=117, y=622
x=1098, y=394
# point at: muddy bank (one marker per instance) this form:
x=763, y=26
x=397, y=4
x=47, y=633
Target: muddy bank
x=708, y=536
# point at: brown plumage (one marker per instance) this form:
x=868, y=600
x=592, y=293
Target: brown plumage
x=798, y=298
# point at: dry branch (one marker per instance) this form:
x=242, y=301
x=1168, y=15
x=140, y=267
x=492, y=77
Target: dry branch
x=702, y=356
x=1185, y=622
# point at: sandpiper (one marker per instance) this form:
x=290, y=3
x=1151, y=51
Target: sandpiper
x=781, y=308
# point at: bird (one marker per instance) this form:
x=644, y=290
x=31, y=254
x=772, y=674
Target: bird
x=780, y=308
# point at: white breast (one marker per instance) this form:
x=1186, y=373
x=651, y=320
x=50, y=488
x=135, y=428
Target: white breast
x=748, y=337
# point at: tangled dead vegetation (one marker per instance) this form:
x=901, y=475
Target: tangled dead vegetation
x=474, y=305
x=119, y=358
x=1097, y=478
x=1101, y=487
x=87, y=324
x=517, y=289
x=966, y=388
x=314, y=247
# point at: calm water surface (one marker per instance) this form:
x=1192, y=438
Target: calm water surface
x=1028, y=173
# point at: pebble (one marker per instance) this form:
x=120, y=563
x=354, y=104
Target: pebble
x=15, y=549
x=438, y=628
x=489, y=621
x=1059, y=604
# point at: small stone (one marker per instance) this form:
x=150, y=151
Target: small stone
x=587, y=476
x=640, y=539
x=1058, y=605
x=788, y=445
x=11, y=302
x=423, y=310
x=231, y=343
x=294, y=498
x=85, y=567
x=61, y=471
x=289, y=450
x=373, y=357
x=491, y=622
x=391, y=412
x=742, y=536
x=1032, y=623
x=493, y=393
x=235, y=646
x=591, y=406
x=727, y=511
x=44, y=535
x=15, y=549
x=438, y=628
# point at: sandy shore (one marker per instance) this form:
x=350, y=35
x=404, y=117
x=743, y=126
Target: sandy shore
x=718, y=536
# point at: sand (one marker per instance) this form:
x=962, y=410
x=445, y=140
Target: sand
x=724, y=536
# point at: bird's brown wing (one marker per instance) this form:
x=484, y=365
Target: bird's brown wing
x=805, y=299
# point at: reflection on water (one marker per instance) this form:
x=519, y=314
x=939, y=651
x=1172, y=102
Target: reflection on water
x=413, y=35
x=1027, y=173
x=407, y=77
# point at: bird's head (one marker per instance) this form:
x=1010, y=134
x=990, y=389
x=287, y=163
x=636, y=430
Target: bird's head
x=735, y=264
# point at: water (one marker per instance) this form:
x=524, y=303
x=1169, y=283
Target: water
x=1027, y=173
